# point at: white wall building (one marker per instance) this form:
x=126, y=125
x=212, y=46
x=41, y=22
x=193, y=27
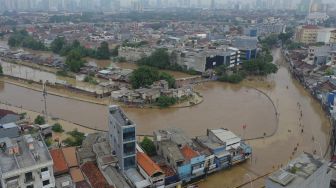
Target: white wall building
x=25, y=162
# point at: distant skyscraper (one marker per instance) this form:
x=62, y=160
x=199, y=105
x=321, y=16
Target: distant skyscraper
x=213, y=4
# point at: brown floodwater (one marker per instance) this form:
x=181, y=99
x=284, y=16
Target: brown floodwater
x=224, y=105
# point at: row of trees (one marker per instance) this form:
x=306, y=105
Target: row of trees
x=75, y=52
x=144, y=76
x=21, y=38
x=260, y=66
x=62, y=47
x=161, y=59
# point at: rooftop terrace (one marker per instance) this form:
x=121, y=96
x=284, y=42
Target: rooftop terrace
x=23, y=152
x=120, y=116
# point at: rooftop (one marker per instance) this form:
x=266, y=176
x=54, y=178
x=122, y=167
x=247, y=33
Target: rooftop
x=226, y=136
x=63, y=182
x=176, y=135
x=60, y=164
x=119, y=116
x=146, y=163
x=70, y=156
x=188, y=152
x=23, y=152
x=94, y=175
x=136, y=178
x=76, y=175
x=173, y=150
x=4, y=112
x=298, y=170
x=115, y=178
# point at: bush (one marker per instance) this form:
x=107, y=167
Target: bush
x=148, y=145
x=57, y=128
x=49, y=142
x=164, y=101
x=76, y=138
x=39, y=120
x=233, y=78
x=90, y=79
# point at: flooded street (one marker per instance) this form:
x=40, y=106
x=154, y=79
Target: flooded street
x=224, y=105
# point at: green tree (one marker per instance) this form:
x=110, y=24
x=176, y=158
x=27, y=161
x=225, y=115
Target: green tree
x=169, y=78
x=165, y=101
x=57, y=45
x=115, y=51
x=57, y=128
x=39, y=120
x=103, y=52
x=148, y=145
x=1, y=70
x=74, y=61
x=76, y=138
x=22, y=39
x=144, y=76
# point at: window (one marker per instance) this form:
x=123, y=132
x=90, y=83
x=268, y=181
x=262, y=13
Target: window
x=44, y=169
x=29, y=177
x=129, y=162
x=45, y=182
x=129, y=148
x=129, y=134
x=30, y=186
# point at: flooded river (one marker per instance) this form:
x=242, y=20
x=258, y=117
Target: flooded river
x=225, y=105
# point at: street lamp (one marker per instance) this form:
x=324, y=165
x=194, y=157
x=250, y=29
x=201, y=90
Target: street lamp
x=248, y=175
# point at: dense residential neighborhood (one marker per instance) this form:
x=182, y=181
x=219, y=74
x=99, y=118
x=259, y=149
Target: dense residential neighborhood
x=174, y=93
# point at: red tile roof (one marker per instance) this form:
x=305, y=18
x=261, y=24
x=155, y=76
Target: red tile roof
x=70, y=156
x=188, y=152
x=76, y=175
x=83, y=184
x=60, y=165
x=5, y=112
x=95, y=177
x=146, y=163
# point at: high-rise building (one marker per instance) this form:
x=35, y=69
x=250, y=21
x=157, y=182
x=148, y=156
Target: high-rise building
x=122, y=136
x=213, y=4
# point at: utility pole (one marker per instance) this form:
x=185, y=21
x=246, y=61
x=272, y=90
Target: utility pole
x=44, y=93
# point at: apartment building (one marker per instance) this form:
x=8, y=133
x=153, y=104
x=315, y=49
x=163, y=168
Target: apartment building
x=307, y=34
x=122, y=138
x=25, y=162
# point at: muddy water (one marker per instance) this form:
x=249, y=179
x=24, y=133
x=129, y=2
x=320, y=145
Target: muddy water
x=271, y=153
x=224, y=105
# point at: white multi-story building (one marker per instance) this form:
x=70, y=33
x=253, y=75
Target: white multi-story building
x=25, y=162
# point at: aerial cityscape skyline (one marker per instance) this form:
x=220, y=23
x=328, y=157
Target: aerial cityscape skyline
x=167, y=94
